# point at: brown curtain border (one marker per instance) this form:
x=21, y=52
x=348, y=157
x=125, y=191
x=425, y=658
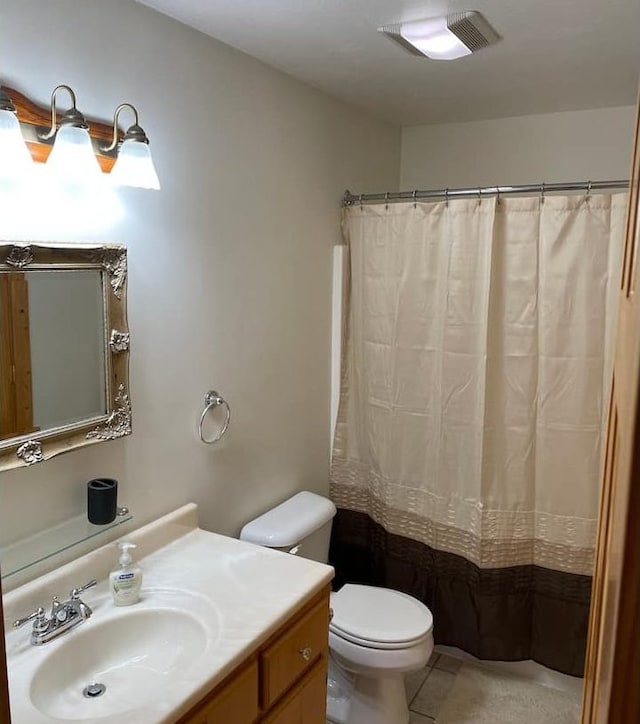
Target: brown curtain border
x=504, y=614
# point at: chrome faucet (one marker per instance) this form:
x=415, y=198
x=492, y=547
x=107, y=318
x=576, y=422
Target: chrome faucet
x=64, y=616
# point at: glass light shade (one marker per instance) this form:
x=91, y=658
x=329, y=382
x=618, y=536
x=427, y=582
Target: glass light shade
x=434, y=39
x=15, y=159
x=72, y=157
x=134, y=166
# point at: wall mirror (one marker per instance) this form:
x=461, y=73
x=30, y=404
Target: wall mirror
x=64, y=349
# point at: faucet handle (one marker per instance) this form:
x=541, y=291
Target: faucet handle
x=58, y=611
x=75, y=592
x=40, y=622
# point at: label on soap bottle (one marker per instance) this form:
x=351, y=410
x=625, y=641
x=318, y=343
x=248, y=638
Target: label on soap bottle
x=125, y=587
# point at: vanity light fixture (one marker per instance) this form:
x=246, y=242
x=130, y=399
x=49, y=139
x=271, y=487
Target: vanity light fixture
x=72, y=157
x=444, y=38
x=15, y=159
x=134, y=164
x=73, y=151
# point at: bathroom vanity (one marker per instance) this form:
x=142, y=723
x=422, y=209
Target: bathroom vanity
x=284, y=682
x=225, y=633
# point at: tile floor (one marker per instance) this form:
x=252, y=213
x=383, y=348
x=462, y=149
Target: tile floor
x=428, y=688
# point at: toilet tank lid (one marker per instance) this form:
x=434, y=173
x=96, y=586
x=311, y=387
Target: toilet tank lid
x=290, y=522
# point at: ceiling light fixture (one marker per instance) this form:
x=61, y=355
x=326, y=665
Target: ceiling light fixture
x=134, y=165
x=444, y=38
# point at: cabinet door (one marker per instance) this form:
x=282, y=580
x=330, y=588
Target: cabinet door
x=294, y=653
x=307, y=703
x=235, y=703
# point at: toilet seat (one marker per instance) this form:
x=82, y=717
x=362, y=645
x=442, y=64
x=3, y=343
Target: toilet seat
x=378, y=645
x=379, y=618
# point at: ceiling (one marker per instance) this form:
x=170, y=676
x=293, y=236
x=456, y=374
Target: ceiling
x=554, y=55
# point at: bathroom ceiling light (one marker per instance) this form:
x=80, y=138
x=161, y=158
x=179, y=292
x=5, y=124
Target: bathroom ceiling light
x=134, y=164
x=72, y=157
x=15, y=159
x=444, y=38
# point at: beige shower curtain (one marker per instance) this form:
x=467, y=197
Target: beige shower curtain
x=475, y=375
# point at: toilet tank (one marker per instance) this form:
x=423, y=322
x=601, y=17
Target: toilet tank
x=302, y=522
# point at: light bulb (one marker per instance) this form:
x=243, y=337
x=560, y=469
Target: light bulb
x=134, y=166
x=15, y=159
x=72, y=158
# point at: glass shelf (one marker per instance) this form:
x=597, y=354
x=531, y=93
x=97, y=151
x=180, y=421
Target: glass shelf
x=37, y=548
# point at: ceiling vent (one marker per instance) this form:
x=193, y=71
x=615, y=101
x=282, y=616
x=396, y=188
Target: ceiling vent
x=444, y=38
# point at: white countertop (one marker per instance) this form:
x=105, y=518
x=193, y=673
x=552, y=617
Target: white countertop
x=247, y=593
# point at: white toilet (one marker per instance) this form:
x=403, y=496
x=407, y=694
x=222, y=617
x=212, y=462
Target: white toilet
x=376, y=635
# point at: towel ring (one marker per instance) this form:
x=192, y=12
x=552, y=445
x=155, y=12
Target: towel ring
x=212, y=399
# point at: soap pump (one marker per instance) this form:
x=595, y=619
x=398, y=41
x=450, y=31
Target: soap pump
x=125, y=580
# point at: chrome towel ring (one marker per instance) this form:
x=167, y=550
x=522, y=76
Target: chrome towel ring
x=212, y=399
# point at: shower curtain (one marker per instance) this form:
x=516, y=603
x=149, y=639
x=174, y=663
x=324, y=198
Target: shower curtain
x=475, y=373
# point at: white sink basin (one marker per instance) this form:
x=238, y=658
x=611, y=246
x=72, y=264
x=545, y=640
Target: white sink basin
x=135, y=654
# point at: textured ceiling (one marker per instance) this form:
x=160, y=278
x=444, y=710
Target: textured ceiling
x=554, y=54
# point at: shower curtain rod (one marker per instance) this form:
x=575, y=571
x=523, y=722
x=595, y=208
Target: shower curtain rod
x=350, y=199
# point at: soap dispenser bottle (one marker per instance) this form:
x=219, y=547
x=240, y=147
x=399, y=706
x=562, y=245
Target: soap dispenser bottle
x=125, y=580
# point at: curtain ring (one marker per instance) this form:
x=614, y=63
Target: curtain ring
x=498, y=199
x=386, y=201
x=212, y=399
x=479, y=195
x=360, y=200
x=588, y=194
x=415, y=203
x=542, y=193
x=446, y=197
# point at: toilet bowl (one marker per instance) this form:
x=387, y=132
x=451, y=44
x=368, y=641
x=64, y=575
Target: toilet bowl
x=376, y=635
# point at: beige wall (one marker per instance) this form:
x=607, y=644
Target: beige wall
x=554, y=147
x=229, y=265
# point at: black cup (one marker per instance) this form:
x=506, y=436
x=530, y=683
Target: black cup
x=102, y=500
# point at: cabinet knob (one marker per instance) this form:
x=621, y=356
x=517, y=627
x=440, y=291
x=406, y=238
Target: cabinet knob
x=306, y=654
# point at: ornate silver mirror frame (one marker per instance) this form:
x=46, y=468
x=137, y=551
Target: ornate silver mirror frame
x=111, y=260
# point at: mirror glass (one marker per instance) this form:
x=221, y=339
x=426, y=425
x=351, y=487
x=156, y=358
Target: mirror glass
x=64, y=347
x=52, y=353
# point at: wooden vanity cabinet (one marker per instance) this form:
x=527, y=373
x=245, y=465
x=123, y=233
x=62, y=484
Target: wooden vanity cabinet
x=236, y=702
x=306, y=703
x=283, y=682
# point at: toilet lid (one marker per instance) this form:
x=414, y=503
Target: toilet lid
x=378, y=616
